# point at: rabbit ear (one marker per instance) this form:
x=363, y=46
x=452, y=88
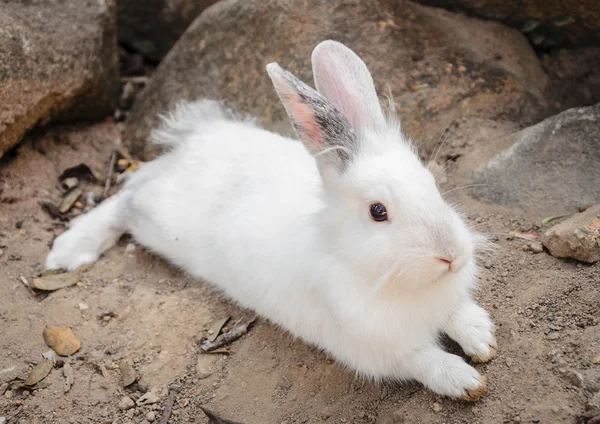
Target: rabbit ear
x=320, y=126
x=343, y=78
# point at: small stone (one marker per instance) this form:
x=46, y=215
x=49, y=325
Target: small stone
x=536, y=247
x=578, y=237
x=436, y=407
x=327, y=412
x=147, y=398
x=8, y=394
x=398, y=416
x=83, y=306
x=204, y=366
x=593, y=405
x=576, y=378
x=126, y=403
x=69, y=183
x=130, y=248
x=151, y=416
x=517, y=419
x=596, y=359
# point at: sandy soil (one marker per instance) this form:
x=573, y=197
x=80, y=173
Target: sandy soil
x=547, y=312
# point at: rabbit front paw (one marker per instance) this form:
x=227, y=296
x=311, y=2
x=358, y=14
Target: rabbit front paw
x=448, y=374
x=71, y=250
x=472, y=328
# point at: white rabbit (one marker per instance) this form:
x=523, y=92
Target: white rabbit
x=345, y=242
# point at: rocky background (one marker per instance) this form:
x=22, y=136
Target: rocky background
x=502, y=99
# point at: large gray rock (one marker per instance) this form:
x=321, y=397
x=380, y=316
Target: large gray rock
x=577, y=237
x=58, y=60
x=439, y=66
x=550, y=168
x=152, y=26
x=583, y=27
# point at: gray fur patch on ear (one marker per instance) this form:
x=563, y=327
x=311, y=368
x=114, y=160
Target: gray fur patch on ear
x=340, y=141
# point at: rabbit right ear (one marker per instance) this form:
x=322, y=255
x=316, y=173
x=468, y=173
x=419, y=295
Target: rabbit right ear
x=343, y=78
x=322, y=128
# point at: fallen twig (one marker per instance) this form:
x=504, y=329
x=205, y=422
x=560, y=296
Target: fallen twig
x=223, y=339
x=111, y=170
x=214, y=418
x=24, y=281
x=135, y=80
x=169, y=405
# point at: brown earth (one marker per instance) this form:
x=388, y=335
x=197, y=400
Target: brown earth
x=546, y=309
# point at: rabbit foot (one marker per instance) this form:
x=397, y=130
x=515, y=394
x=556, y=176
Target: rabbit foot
x=472, y=328
x=481, y=359
x=474, y=394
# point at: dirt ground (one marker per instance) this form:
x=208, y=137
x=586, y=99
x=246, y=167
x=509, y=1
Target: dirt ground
x=133, y=305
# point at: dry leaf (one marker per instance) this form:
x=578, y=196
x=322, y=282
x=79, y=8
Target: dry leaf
x=215, y=329
x=62, y=340
x=69, y=200
x=50, y=355
x=56, y=281
x=51, y=209
x=68, y=373
x=127, y=372
x=524, y=235
x=39, y=372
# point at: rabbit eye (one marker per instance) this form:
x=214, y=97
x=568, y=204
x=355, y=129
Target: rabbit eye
x=378, y=212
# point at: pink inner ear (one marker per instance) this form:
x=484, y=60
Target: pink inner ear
x=302, y=116
x=305, y=119
x=343, y=95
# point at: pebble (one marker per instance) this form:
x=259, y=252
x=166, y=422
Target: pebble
x=126, y=403
x=2, y=420
x=398, y=416
x=576, y=378
x=536, y=247
x=596, y=359
x=8, y=394
x=151, y=416
x=148, y=398
x=130, y=248
x=327, y=412
x=554, y=336
x=436, y=407
x=593, y=405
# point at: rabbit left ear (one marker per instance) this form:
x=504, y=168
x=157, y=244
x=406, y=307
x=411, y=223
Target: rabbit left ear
x=322, y=128
x=343, y=78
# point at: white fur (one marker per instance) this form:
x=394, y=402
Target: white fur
x=248, y=211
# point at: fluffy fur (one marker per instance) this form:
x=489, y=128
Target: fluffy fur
x=284, y=229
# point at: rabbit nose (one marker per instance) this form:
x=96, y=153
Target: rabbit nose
x=449, y=260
